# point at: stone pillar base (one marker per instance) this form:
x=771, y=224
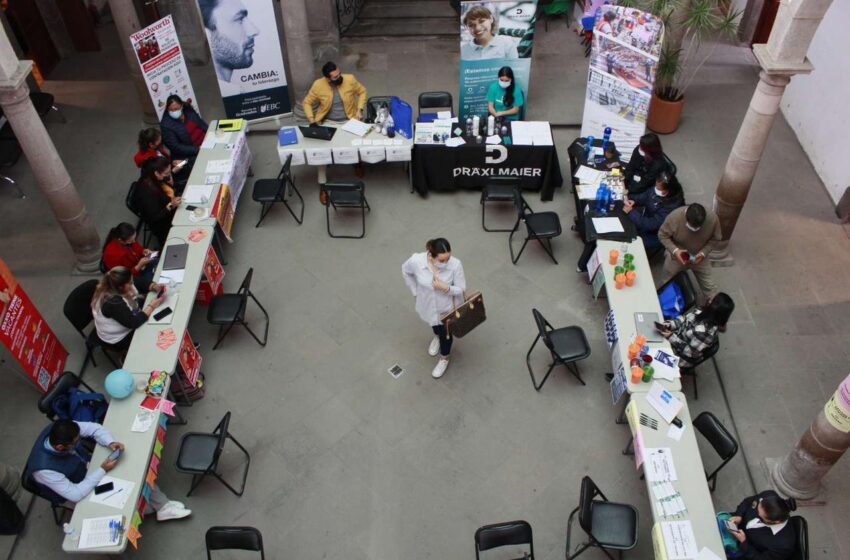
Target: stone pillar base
x=721, y=256
x=774, y=475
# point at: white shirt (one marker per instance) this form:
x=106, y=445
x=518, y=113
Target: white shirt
x=60, y=484
x=756, y=523
x=498, y=47
x=432, y=304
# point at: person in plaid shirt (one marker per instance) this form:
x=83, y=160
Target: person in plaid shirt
x=691, y=334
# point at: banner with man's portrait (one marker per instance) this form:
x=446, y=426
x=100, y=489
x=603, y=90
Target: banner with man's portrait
x=243, y=41
x=495, y=35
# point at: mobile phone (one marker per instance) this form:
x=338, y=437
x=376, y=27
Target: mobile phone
x=162, y=314
x=154, y=254
x=191, y=208
x=103, y=488
x=660, y=326
x=114, y=455
x=160, y=291
x=180, y=165
x=731, y=526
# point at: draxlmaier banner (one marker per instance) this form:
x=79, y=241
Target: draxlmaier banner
x=493, y=35
x=243, y=41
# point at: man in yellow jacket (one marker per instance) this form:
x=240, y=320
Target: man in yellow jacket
x=339, y=97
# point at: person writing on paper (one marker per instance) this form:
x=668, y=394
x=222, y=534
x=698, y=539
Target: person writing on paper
x=151, y=146
x=484, y=42
x=183, y=130
x=689, y=234
x=647, y=163
x=155, y=197
x=504, y=98
x=231, y=37
x=335, y=97
x=122, y=249
x=58, y=465
x=117, y=308
x=649, y=209
x=437, y=281
x=691, y=334
x=763, y=531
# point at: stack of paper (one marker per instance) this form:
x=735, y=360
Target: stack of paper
x=531, y=133
x=197, y=194
x=666, y=365
x=607, y=225
x=357, y=128
x=679, y=540
x=589, y=176
x=663, y=401
x=97, y=532
x=658, y=465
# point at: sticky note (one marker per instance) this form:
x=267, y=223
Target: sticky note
x=155, y=463
x=167, y=407
x=133, y=535
x=157, y=449
x=146, y=492
x=151, y=477
x=136, y=521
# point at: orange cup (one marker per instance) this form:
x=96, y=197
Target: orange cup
x=640, y=340
x=634, y=349
x=637, y=374
x=630, y=278
x=620, y=281
x=613, y=256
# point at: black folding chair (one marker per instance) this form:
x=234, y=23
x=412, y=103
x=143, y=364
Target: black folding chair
x=435, y=100
x=801, y=528
x=692, y=371
x=566, y=345
x=226, y=310
x=77, y=310
x=499, y=189
x=541, y=226
x=234, y=538
x=608, y=525
x=347, y=194
x=141, y=225
x=67, y=380
x=689, y=293
x=44, y=102
x=60, y=509
x=512, y=533
x=269, y=191
x=720, y=439
x=374, y=103
x=200, y=453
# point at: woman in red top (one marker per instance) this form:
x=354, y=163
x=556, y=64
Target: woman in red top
x=151, y=146
x=122, y=249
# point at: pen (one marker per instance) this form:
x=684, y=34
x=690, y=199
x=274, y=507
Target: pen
x=113, y=494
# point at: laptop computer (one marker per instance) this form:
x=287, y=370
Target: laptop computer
x=175, y=256
x=318, y=132
x=645, y=325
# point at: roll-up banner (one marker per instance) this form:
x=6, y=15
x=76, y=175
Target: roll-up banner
x=245, y=47
x=492, y=35
x=163, y=66
x=25, y=333
x=623, y=61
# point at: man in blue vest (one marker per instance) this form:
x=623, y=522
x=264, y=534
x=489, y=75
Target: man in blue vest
x=57, y=466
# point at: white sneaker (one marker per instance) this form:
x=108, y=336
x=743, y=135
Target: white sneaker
x=171, y=511
x=434, y=347
x=440, y=368
x=178, y=505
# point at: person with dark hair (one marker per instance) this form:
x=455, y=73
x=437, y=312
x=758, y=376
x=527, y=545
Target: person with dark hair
x=151, y=146
x=122, y=249
x=689, y=234
x=155, y=197
x=484, y=39
x=116, y=308
x=437, y=281
x=763, y=531
x=183, y=130
x=231, y=36
x=649, y=209
x=691, y=334
x=58, y=465
x=647, y=163
x=504, y=98
x=339, y=97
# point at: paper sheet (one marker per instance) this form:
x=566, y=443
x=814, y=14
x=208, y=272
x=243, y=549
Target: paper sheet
x=666, y=365
x=639, y=449
x=531, y=133
x=216, y=137
x=658, y=465
x=455, y=142
x=218, y=166
x=116, y=497
x=589, y=176
x=96, y=532
x=607, y=225
x=663, y=402
x=143, y=421
x=587, y=192
x=679, y=540
x=212, y=179
x=357, y=128
x=706, y=554
x=197, y=194
x=444, y=114
x=493, y=140
x=175, y=276
x=675, y=432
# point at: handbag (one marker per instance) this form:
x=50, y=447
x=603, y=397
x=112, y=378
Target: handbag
x=465, y=317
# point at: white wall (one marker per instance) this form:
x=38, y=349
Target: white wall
x=817, y=106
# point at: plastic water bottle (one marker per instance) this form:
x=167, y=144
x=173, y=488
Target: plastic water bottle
x=611, y=200
x=602, y=198
x=606, y=137
x=588, y=148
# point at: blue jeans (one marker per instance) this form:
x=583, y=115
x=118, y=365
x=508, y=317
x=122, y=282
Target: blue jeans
x=445, y=340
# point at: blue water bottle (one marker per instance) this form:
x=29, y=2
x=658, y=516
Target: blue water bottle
x=602, y=198
x=606, y=137
x=588, y=148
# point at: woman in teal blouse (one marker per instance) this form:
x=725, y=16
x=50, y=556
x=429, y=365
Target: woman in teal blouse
x=504, y=99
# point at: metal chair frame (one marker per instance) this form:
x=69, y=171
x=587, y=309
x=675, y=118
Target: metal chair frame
x=284, y=179
x=542, y=332
x=362, y=204
x=531, y=234
x=223, y=433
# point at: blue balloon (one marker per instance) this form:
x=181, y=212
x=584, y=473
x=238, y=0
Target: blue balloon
x=119, y=384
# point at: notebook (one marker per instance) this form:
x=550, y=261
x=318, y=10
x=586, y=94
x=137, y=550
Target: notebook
x=287, y=136
x=175, y=256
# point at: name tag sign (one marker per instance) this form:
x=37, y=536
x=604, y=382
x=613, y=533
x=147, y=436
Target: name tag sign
x=398, y=153
x=345, y=155
x=373, y=154
x=297, y=156
x=319, y=156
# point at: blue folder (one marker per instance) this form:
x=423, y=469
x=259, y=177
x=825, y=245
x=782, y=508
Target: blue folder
x=287, y=136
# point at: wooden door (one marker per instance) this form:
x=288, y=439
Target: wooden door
x=32, y=35
x=80, y=24
x=766, y=19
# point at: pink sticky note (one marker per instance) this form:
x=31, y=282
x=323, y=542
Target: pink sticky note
x=166, y=406
x=154, y=463
x=638, y=449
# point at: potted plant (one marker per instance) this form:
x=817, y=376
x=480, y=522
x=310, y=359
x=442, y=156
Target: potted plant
x=688, y=26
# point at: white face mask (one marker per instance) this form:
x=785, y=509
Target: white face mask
x=440, y=265
x=641, y=152
x=660, y=193
x=692, y=228
x=175, y=114
x=504, y=85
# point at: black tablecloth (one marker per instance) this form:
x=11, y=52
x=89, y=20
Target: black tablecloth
x=439, y=168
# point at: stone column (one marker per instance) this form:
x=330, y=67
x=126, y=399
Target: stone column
x=127, y=22
x=56, y=26
x=299, y=52
x=783, y=56
x=800, y=473
x=324, y=29
x=190, y=29
x=49, y=171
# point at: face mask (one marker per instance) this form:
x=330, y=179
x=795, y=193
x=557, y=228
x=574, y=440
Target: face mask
x=337, y=82
x=659, y=193
x=692, y=228
x=175, y=114
x=440, y=265
x=504, y=85
x=641, y=152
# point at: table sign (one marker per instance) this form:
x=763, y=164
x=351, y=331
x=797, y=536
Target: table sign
x=213, y=271
x=190, y=359
x=298, y=157
x=345, y=155
x=319, y=156
x=372, y=154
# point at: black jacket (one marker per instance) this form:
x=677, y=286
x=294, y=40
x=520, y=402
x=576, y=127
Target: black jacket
x=651, y=210
x=152, y=203
x=647, y=171
x=175, y=136
x=761, y=543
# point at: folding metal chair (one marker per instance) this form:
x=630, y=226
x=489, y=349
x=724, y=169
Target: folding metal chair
x=541, y=226
x=200, y=453
x=350, y=194
x=269, y=191
x=512, y=533
x=720, y=439
x=566, y=345
x=608, y=525
x=498, y=189
x=226, y=310
x=234, y=538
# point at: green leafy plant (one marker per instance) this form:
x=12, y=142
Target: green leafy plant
x=689, y=27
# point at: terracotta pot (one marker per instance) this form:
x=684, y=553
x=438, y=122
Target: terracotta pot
x=664, y=116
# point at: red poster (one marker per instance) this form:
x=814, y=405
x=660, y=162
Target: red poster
x=190, y=359
x=213, y=271
x=26, y=334
x=224, y=212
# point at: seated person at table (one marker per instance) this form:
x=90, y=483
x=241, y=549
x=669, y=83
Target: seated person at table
x=339, y=97
x=151, y=146
x=116, y=308
x=649, y=209
x=504, y=98
x=122, y=249
x=763, y=532
x=691, y=334
x=183, y=130
x=58, y=466
x=609, y=159
x=647, y=163
x=155, y=197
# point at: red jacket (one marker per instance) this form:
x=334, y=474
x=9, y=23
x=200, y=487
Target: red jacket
x=117, y=254
x=142, y=156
